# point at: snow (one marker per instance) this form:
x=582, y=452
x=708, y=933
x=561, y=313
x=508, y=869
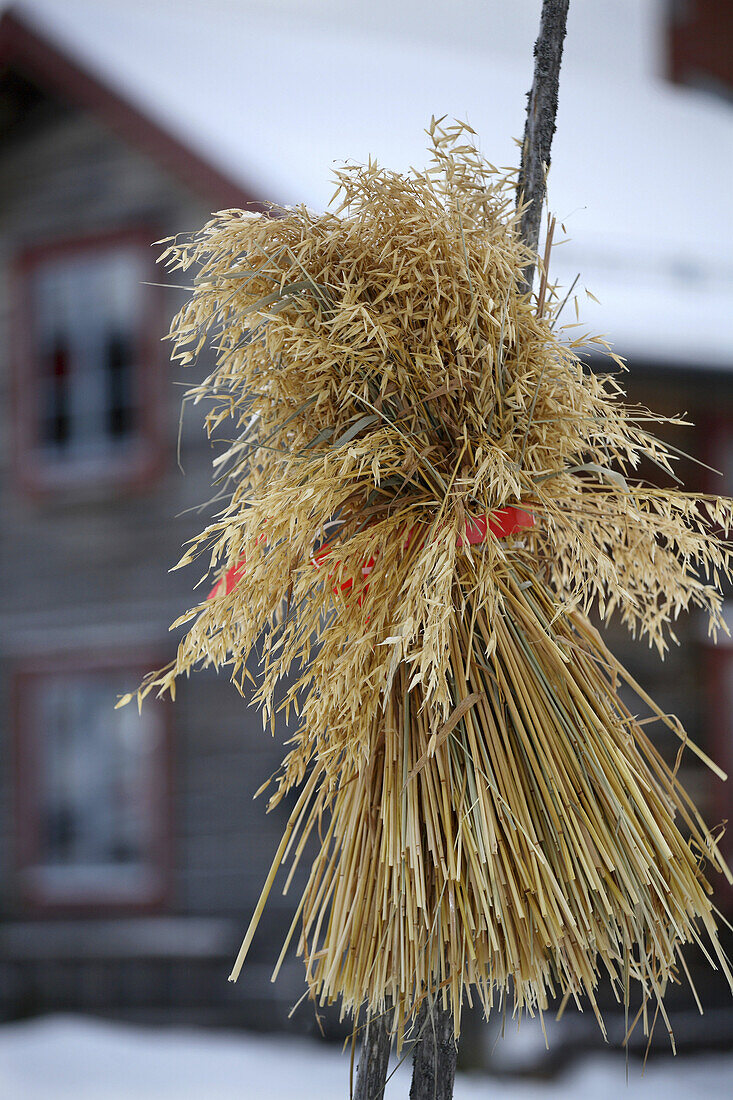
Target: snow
x=73, y=1058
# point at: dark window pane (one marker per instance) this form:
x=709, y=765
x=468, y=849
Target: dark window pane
x=119, y=363
x=56, y=423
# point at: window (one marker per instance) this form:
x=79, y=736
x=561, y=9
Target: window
x=700, y=33
x=92, y=788
x=86, y=377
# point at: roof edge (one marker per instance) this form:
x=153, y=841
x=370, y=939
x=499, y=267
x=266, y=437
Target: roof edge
x=27, y=49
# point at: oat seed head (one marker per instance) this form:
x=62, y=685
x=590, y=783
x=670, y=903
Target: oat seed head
x=492, y=816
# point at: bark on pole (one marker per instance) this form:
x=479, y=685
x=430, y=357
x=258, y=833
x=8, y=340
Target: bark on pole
x=434, y=1060
x=539, y=127
x=372, y=1072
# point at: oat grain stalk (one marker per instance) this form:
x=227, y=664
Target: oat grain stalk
x=424, y=495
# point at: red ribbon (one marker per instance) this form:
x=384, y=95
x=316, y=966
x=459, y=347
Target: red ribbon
x=507, y=521
x=502, y=523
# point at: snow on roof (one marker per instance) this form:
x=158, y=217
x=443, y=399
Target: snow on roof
x=272, y=99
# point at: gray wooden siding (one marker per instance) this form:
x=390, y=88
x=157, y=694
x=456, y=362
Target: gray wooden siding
x=81, y=570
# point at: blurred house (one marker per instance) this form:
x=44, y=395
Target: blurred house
x=131, y=853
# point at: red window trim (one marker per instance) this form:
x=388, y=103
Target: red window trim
x=35, y=476
x=25, y=788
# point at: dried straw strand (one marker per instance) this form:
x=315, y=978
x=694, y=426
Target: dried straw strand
x=494, y=820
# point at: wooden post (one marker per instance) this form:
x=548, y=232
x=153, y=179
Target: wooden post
x=434, y=1060
x=434, y=1066
x=539, y=127
x=372, y=1072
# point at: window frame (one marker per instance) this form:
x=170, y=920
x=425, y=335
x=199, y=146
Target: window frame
x=35, y=474
x=696, y=53
x=26, y=748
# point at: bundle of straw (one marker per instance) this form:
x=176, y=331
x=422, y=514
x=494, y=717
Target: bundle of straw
x=490, y=815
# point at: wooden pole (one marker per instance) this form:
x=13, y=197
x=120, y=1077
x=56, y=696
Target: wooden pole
x=434, y=1060
x=434, y=1065
x=371, y=1075
x=539, y=127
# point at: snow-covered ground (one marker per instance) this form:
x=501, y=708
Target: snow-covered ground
x=70, y=1058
